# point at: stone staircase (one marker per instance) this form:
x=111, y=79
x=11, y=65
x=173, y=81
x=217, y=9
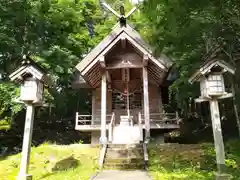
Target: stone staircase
x=124, y=157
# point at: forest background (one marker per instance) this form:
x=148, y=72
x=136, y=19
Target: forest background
x=57, y=34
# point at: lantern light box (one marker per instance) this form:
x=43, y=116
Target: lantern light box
x=211, y=78
x=32, y=90
x=32, y=79
x=213, y=85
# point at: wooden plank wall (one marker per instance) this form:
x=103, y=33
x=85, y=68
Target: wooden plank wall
x=155, y=99
x=98, y=104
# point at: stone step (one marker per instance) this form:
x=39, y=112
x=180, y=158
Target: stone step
x=130, y=166
x=117, y=156
x=124, y=153
x=128, y=146
x=123, y=160
x=124, y=156
x=121, y=150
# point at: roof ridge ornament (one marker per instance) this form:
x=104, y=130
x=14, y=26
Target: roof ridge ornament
x=122, y=17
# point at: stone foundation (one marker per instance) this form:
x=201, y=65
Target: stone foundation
x=158, y=139
x=95, y=136
x=219, y=176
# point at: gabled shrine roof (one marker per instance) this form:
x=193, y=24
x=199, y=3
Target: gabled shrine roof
x=117, y=34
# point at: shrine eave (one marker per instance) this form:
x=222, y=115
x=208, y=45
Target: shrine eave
x=117, y=34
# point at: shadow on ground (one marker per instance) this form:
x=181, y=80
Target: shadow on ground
x=62, y=165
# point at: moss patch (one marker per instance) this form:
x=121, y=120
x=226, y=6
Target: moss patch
x=51, y=162
x=184, y=162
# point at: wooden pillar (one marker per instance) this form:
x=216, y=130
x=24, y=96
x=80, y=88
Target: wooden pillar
x=217, y=134
x=103, y=138
x=146, y=102
x=93, y=105
x=26, y=147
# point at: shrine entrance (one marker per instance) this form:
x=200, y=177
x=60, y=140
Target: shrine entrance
x=127, y=94
x=125, y=80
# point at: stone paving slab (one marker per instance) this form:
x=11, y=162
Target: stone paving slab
x=122, y=175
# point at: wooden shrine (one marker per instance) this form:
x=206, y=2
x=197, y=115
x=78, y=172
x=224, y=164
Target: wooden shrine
x=125, y=79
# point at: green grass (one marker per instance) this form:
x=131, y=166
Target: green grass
x=4, y=124
x=166, y=162
x=196, y=162
x=54, y=162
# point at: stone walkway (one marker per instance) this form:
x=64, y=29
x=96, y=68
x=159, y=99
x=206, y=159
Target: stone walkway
x=122, y=175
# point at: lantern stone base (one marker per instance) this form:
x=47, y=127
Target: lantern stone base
x=218, y=176
x=103, y=140
x=24, y=177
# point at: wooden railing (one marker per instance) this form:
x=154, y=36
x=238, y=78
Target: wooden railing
x=86, y=119
x=83, y=120
x=163, y=118
x=145, y=151
x=110, y=127
x=140, y=126
x=160, y=118
x=102, y=155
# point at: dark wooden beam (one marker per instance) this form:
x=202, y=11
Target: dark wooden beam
x=145, y=59
x=146, y=102
x=123, y=42
x=104, y=70
x=102, y=62
x=121, y=66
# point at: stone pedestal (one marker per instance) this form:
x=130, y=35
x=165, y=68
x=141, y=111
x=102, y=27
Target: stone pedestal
x=95, y=136
x=218, y=176
x=126, y=120
x=158, y=139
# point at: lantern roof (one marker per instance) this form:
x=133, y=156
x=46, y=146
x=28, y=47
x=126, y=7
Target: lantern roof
x=212, y=60
x=29, y=68
x=206, y=68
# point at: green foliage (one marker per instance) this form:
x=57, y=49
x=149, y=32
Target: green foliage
x=55, y=34
x=9, y=108
x=186, y=30
x=4, y=124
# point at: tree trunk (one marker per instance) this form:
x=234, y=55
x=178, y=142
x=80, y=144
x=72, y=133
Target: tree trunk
x=235, y=107
x=233, y=88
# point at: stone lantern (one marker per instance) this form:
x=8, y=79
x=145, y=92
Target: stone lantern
x=210, y=76
x=32, y=78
